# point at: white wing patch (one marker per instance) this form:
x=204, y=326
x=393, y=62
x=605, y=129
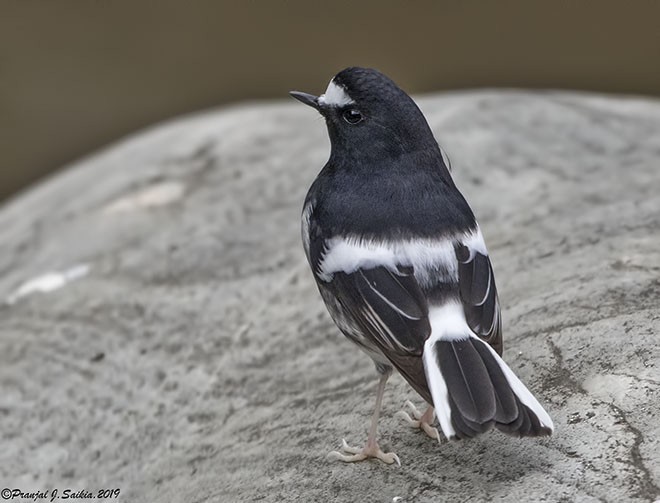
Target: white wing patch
x=335, y=96
x=475, y=242
x=432, y=259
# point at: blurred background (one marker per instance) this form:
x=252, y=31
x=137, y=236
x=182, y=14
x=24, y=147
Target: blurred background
x=78, y=74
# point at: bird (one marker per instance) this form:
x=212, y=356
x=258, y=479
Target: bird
x=402, y=267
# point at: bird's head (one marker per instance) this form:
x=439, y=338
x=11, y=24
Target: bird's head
x=369, y=116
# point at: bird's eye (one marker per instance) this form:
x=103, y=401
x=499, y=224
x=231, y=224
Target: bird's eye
x=352, y=116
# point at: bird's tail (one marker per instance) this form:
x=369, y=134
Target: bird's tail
x=474, y=390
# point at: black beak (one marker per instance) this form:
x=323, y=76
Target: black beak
x=307, y=99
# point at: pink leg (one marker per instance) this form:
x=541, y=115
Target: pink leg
x=371, y=449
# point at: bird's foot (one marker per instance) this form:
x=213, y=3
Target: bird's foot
x=421, y=421
x=352, y=454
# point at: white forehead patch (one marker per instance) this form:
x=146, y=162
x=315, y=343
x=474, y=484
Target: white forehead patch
x=335, y=96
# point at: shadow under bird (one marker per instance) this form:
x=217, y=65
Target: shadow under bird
x=402, y=266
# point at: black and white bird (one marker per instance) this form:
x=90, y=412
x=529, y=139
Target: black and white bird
x=402, y=265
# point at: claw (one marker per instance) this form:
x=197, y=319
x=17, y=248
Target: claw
x=357, y=454
x=421, y=421
x=347, y=448
x=431, y=431
x=415, y=412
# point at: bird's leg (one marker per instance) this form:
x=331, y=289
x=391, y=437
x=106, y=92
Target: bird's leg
x=422, y=421
x=371, y=449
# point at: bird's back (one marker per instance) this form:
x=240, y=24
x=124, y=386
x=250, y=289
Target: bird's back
x=411, y=197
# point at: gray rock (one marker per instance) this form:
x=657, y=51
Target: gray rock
x=161, y=333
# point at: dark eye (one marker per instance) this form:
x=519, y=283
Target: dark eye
x=352, y=116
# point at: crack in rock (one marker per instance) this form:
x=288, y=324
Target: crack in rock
x=646, y=486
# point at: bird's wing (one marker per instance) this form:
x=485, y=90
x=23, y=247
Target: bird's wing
x=379, y=306
x=391, y=312
x=388, y=305
x=478, y=291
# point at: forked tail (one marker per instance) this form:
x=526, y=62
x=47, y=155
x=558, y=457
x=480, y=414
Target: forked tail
x=474, y=390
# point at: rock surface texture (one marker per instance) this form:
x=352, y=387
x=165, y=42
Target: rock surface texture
x=160, y=331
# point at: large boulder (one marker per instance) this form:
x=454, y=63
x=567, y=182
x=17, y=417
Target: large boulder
x=161, y=333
